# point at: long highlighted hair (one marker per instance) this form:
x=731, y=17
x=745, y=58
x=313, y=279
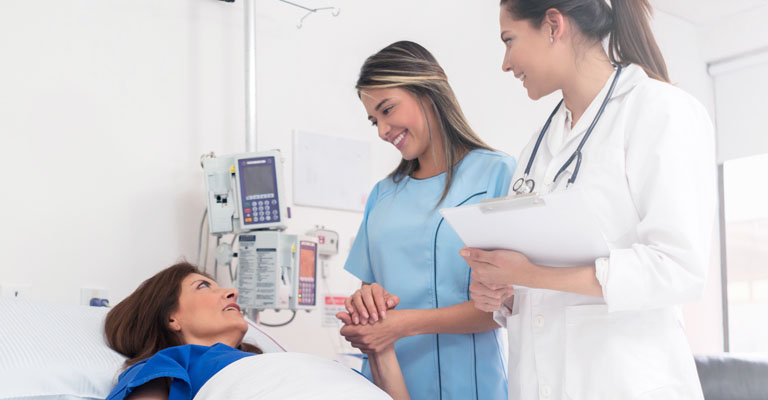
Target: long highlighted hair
x=410, y=66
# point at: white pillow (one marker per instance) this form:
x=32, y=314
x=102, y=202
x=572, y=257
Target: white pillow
x=260, y=338
x=59, y=351
x=51, y=351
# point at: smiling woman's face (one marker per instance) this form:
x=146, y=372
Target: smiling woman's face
x=208, y=314
x=401, y=119
x=528, y=54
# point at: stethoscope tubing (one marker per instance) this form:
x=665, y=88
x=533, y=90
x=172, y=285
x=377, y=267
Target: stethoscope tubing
x=577, y=155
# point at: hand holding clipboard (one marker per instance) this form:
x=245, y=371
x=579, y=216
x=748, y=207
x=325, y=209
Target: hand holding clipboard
x=556, y=230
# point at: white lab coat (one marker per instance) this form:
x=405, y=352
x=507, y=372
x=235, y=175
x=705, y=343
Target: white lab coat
x=649, y=173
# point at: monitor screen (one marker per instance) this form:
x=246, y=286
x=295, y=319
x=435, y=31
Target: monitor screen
x=258, y=190
x=258, y=178
x=307, y=270
x=308, y=256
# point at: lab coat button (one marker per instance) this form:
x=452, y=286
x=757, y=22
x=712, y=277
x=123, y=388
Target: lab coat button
x=539, y=321
x=546, y=390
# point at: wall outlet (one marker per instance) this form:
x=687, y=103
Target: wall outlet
x=94, y=297
x=14, y=290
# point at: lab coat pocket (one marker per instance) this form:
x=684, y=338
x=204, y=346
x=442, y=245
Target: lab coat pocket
x=621, y=355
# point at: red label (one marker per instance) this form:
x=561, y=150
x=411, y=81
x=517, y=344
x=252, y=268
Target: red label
x=335, y=300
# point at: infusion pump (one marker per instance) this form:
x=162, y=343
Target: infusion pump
x=275, y=270
x=245, y=192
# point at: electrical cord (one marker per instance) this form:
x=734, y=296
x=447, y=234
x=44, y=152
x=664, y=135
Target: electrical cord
x=232, y=276
x=200, y=236
x=215, y=260
x=207, y=245
x=281, y=324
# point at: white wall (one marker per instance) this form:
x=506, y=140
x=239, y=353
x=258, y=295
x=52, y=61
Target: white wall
x=107, y=106
x=735, y=34
x=104, y=111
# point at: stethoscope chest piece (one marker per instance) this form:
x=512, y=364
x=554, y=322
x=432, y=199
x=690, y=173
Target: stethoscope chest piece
x=525, y=184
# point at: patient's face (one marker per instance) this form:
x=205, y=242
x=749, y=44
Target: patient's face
x=207, y=313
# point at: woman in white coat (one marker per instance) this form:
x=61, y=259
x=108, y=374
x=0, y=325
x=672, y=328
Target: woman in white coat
x=614, y=329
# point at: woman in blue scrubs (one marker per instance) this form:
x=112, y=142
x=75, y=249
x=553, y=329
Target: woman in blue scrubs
x=404, y=252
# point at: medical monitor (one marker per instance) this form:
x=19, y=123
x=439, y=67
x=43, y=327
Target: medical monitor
x=259, y=191
x=307, y=273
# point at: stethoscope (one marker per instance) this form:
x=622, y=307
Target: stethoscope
x=524, y=185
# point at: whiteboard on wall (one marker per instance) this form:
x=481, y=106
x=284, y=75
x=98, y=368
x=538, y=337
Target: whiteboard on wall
x=330, y=171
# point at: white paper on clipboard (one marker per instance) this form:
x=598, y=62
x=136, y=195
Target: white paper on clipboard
x=557, y=229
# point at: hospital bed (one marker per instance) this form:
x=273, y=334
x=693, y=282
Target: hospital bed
x=58, y=352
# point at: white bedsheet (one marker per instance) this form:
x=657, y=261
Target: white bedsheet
x=282, y=376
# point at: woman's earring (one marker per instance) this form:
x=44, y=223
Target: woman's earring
x=551, y=39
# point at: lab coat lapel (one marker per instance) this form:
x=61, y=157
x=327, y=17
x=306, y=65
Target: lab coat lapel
x=561, y=149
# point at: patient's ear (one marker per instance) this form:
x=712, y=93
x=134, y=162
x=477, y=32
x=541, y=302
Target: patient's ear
x=174, y=325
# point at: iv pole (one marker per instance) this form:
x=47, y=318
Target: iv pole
x=250, y=75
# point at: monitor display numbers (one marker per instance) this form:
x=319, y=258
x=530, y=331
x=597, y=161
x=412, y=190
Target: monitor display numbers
x=258, y=179
x=307, y=272
x=308, y=256
x=258, y=187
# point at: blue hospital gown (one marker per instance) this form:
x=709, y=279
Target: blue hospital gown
x=405, y=245
x=190, y=366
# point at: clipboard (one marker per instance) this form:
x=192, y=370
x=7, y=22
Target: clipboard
x=557, y=229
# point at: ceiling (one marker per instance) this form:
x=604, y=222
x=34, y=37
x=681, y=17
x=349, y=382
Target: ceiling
x=704, y=12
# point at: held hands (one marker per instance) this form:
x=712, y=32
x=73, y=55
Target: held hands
x=366, y=325
x=493, y=274
x=369, y=303
x=373, y=338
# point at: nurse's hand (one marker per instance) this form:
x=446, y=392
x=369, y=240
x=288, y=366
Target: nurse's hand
x=489, y=298
x=369, y=302
x=497, y=268
x=373, y=338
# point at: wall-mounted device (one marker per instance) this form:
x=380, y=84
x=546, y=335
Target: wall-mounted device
x=327, y=241
x=276, y=271
x=305, y=292
x=245, y=192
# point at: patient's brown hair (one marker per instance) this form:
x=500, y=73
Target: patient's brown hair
x=138, y=326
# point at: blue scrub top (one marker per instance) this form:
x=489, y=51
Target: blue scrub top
x=405, y=246
x=189, y=365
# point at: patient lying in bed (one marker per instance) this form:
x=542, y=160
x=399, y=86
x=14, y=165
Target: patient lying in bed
x=183, y=336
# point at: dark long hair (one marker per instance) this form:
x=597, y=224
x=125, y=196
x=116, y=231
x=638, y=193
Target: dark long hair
x=138, y=327
x=631, y=39
x=410, y=66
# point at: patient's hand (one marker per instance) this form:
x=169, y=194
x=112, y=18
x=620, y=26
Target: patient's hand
x=377, y=337
x=370, y=302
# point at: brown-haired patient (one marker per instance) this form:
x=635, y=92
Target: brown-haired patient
x=181, y=332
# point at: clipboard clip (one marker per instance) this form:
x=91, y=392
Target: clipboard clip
x=518, y=201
